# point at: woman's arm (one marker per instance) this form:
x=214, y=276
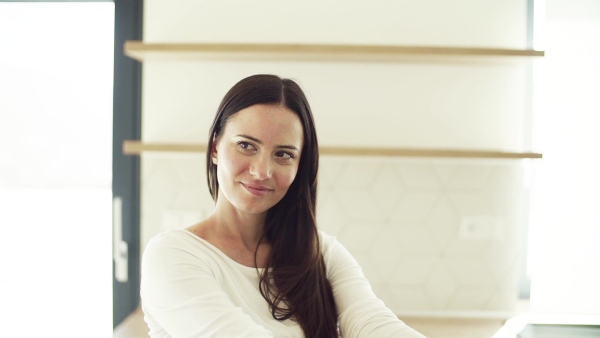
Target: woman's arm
x=361, y=313
x=181, y=296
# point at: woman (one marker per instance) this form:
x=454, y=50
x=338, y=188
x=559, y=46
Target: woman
x=258, y=266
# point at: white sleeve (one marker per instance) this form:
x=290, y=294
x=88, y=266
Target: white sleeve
x=182, y=298
x=361, y=313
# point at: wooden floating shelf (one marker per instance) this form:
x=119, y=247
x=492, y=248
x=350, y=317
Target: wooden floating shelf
x=141, y=51
x=131, y=147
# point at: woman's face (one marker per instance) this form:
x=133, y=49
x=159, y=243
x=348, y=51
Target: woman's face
x=257, y=156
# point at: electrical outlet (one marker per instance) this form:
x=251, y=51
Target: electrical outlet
x=480, y=228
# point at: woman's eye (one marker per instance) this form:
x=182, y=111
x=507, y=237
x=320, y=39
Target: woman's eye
x=284, y=155
x=246, y=146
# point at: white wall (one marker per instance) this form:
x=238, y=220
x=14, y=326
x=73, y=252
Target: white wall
x=400, y=217
x=428, y=22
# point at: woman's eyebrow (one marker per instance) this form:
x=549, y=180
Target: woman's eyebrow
x=291, y=147
x=250, y=138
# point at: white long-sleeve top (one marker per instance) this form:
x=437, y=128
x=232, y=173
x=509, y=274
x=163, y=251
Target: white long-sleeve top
x=192, y=289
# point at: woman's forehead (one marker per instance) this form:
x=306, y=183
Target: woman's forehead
x=268, y=122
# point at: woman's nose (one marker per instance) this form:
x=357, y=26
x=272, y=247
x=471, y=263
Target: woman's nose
x=260, y=167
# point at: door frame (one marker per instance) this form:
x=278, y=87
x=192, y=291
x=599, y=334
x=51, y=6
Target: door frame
x=127, y=115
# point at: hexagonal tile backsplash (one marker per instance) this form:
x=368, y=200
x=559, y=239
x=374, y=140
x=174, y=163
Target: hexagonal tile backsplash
x=406, y=221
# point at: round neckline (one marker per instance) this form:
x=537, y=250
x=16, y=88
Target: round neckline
x=220, y=252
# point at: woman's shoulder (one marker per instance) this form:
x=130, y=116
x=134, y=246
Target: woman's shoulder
x=171, y=237
x=328, y=242
x=334, y=253
x=180, y=242
x=325, y=237
x=184, y=245
x=168, y=250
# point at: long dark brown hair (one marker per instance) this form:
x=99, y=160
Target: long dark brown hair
x=294, y=282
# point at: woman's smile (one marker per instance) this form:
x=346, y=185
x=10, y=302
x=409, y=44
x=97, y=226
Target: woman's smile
x=256, y=189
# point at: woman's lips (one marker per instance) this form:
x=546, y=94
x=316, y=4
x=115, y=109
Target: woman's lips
x=257, y=190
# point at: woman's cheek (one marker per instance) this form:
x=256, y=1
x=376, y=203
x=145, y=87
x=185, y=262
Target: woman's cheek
x=235, y=163
x=291, y=177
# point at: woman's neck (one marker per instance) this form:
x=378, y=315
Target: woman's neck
x=238, y=227
x=237, y=234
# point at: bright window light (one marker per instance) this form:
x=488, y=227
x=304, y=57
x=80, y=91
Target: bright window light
x=56, y=74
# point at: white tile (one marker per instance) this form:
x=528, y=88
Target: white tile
x=359, y=236
x=329, y=170
x=470, y=271
x=443, y=222
x=444, y=171
x=470, y=176
x=505, y=189
x=157, y=194
x=399, y=219
x=358, y=204
x=387, y=189
x=368, y=267
x=358, y=173
x=162, y=183
x=330, y=217
x=470, y=203
x=385, y=251
x=180, y=218
x=417, y=175
x=501, y=260
x=192, y=197
x=414, y=206
x=503, y=298
x=416, y=239
x=471, y=298
x=381, y=290
x=149, y=163
x=191, y=168
x=441, y=286
x=465, y=248
x=408, y=299
x=413, y=271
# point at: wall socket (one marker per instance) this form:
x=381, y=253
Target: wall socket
x=480, y=228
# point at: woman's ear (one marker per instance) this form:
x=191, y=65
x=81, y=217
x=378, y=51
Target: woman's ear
x=213, y=151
